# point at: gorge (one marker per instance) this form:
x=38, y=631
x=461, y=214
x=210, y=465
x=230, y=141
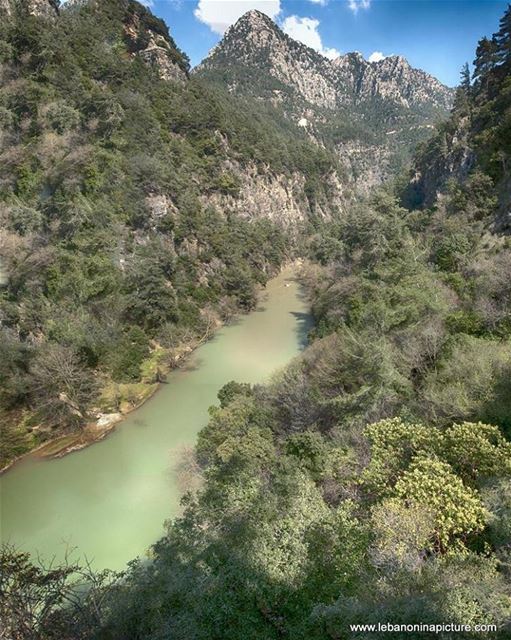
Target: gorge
x=338, y=453
x=82, y=506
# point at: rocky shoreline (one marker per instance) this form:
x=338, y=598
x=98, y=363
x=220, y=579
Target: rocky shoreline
x=105, y=423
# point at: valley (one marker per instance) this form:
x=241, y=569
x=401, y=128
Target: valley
x=337, y=451
x=82, y=506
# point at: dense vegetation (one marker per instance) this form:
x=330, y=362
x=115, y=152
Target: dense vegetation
x=112, y=256
x=474, y=142
x=264, y=71
x=370, y=481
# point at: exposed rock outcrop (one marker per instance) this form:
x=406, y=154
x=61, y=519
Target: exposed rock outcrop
x=256, y=42
x=40, y=8
x=279, y=198
x=148, y=38
x=447, y=157
x=6, y=7
x=371, y=113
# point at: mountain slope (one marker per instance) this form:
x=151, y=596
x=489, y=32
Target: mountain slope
x=136, y=209
x=376, y=111
x=255, y=46
x=472, y=148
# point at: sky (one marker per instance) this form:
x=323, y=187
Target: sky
x=438, y=36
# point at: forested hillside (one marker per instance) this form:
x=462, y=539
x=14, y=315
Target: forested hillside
x=370, y=480
x=371, y=115
x=472, y=147
x=113, y=248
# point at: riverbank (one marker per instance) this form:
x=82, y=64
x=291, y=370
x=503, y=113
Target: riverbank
x=124, y=398
x=106, y=503
x=118, y=400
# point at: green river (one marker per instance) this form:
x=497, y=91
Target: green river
x=107, y=503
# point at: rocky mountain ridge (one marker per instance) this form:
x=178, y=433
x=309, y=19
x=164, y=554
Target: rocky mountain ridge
x=371, y=114
x=256, y=41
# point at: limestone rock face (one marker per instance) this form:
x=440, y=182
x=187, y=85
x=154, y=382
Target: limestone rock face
x=41, y=8
x=6, y=7
x=256, y=43
x=44, y=8
x=391, y=79
x=372, y=114
x=281, y=198
x=149, y=39
x=431, y=172
x=277, y=197
x=157, y=57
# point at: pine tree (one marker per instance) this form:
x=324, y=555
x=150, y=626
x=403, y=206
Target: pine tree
x=486, y=58
x=485, y=66
x=465, y=78
x=503, y=39
x=463, y=97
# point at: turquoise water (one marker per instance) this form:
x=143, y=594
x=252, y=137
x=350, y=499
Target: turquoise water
x=107, y=503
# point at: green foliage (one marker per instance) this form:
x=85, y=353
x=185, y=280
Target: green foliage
x=470, y=382
x=460, y=589
x=109, y=246
x=465, y=322
x=133, y=349
x=231, y=391
x=456, y=509
x=472, y=450
x=61, y=117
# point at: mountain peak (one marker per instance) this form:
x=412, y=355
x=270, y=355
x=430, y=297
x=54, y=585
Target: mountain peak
x=394, y=62
x=254, y=16
x=252, y=21
x=257, y=58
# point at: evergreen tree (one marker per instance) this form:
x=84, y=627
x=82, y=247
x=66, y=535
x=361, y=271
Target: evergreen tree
x=486, y=58
x=463, y=97
x=503, y=40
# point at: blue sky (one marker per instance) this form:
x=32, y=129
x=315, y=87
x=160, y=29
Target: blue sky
x=435, y=35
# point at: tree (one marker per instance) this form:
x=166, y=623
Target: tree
x=49, y=603
x=232, y=390
x=61, y=389
x=485, y=61
x=402, y=535
x=503, y=40
x=457, y=509
x=463, y=97
x=151, y=298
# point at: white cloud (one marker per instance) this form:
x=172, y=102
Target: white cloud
x=321, y=2
x=306, y=30
x=148, y=3
x=355, y=5
x=376, y=56
x=220, y=14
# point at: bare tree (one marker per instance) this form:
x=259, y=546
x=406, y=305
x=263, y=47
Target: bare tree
x=61, y=388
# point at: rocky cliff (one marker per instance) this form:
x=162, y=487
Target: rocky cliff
x=384, y=107
x=469, y=153
x=40, y=8
x=447, y=156
x=146, y=37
